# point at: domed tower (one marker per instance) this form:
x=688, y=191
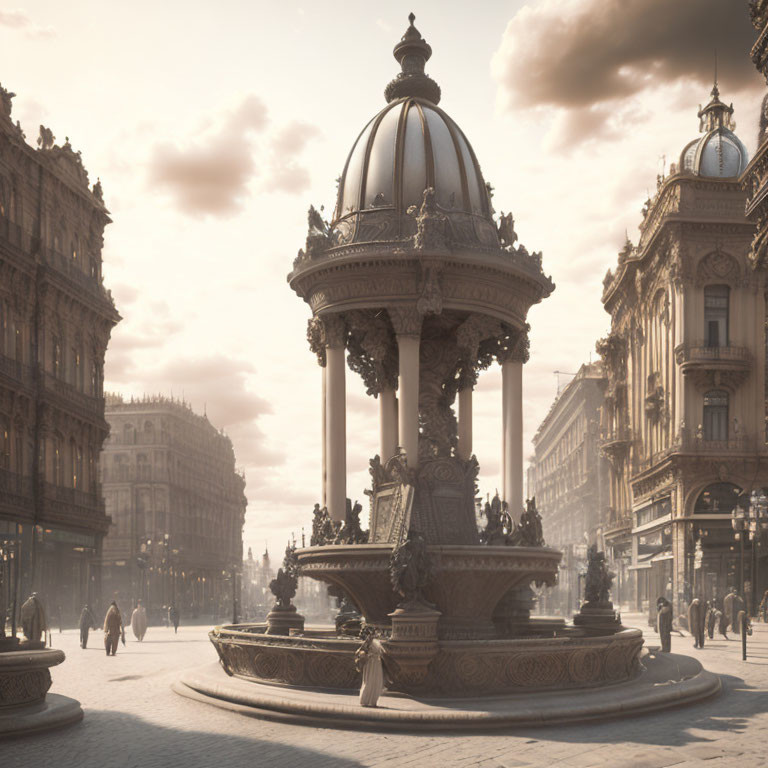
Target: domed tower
x=421, y=288
x=718, y=152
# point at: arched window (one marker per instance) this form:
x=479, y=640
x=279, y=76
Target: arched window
x=716, y=300
x=716, y=415
x=129, y=434
x=717, y=498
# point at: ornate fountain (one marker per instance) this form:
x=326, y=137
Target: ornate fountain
x=416, y=284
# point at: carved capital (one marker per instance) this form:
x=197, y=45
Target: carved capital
x=372, y=349
x=315, y=338
x=514, y=347
x=334, y=331
x=406, y=319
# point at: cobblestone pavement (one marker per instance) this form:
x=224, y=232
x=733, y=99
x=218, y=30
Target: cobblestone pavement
x=132, y=718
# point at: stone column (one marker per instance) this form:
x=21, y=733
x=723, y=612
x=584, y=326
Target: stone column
x=323, y=439
x=388, y=423
x=465, y=423
x=335, y=417
x=512, y=423
x=406, y=322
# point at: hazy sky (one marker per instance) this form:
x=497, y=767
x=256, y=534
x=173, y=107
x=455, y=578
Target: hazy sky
x=213, y=126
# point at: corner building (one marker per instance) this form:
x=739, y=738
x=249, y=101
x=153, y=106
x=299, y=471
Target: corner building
x=55, y=321
x=571, y=485
x=177, y=504
x=684, y=416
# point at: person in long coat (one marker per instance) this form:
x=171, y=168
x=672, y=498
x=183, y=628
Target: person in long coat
x=33, y=621
x=173, y=617
x=664, y=623
x=87, y=623
x=732, y=604
x=696, y=622
x=139, y=621
x=368, y=660
x=711, y=618
x=113, y=629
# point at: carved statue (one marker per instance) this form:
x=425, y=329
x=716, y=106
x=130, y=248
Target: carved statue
x=5, y=101
x=499, y=523
x=98, y=192
x=318, y=233
x=46, y=138
x=33, y=621
x=351, y=532
x=529, y=532
x=431, y=224
x=283, y=586
x=599, y=578
x=410, y=569
x=506, y=230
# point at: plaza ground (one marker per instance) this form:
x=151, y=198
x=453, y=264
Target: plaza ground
x=132, y=718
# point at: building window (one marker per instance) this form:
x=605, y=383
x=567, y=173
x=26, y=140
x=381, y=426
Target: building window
x=56, y=357
x=716, y=415
x=718, y=498
x=716, y=299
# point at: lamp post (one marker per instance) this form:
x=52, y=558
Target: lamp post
x=739, y=524
x=758, y=522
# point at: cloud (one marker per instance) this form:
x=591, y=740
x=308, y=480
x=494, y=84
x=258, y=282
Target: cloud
x=19, y=20
x=588, y=57
x=215, y=384
x=211, y=175
x=285, y=172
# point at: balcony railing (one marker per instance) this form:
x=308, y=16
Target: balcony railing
x=15, y=369
x=94, y=406
x=71, y=268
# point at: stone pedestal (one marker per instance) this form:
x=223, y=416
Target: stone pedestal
x=280, y=621
x=598, y=619
x=412, y=645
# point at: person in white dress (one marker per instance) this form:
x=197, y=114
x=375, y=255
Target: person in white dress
x=368, y=660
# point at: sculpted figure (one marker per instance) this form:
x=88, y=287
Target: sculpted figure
x=431, y=224
x=529, y=532
x=5, y=101
x=506, y=229
x=283, y=586
x=352, y=533
x=599, y=578
x=697, y=622
x=33, y=621
x=318, y=233
x=410, y=569
x=46, y=138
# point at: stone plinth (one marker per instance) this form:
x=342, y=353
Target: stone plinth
x=598, y=619
x=280, y=621
x=413, y=645
x=24, y=682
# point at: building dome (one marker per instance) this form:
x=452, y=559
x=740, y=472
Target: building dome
x=719, y=152
x=410, y=146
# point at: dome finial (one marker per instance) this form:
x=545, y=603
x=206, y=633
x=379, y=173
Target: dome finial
x=412, y=53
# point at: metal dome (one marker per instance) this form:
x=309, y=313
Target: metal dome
x=410, y=145
x=719, y=153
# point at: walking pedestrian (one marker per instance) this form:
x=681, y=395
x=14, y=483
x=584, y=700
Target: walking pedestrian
x=696, y=622
x=174, y=617
x=664, y=623
x=87, y=623
x=711, y=618
x=113, y=629
x=139, y=621
x=732, y=604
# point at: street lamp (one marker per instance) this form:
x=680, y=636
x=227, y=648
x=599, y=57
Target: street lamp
x=758, y=522
x=739, y=524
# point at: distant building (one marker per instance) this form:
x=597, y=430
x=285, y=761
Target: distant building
x=177, y=504
x=570, y=480
x=684, y=422
x=257, y=599
x=55, y=322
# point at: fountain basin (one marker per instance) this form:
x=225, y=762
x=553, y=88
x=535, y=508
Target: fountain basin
x=467, y=581
x=460, y=668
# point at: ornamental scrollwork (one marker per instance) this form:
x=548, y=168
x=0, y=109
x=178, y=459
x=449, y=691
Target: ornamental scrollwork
x=372, y=349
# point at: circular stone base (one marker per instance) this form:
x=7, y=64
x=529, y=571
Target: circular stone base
x=667, y=680
x=55, y=712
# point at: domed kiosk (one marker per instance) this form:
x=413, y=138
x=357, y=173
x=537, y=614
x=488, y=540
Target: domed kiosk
x=420, y=289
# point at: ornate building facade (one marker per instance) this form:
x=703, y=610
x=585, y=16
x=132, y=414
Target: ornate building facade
x=684, y=414
x=177, y=504
x=570, y=480
x=55, y=323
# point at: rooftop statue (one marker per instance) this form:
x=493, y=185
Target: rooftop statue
x=5, y=101
x=507, y=234
x=46, y=138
